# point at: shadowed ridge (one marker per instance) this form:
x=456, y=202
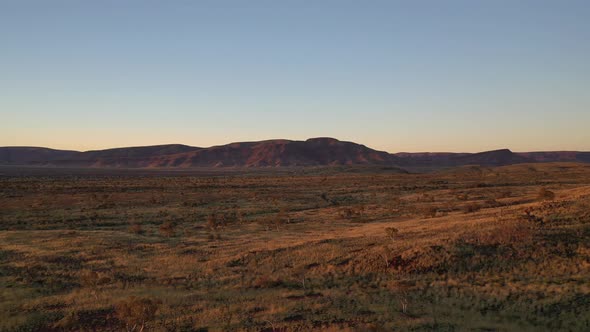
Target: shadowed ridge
x=129, y=157
x=22, y=155
x=446, y=159
x=280, y=152
x=552, y=156
x=139, y=151
x=493, y=158
x=318, y=151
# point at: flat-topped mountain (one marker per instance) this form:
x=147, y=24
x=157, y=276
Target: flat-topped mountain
x=270, y=153
x=312, y=152
x=321, y=151
x=487, y=158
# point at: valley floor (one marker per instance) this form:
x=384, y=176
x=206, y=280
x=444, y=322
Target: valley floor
x=466, y=249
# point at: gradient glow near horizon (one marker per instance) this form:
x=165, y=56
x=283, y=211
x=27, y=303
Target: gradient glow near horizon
x=393, y=75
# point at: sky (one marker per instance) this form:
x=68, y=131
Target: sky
x=416, y=75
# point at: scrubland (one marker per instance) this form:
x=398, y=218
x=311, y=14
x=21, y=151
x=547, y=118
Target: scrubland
x=465, y=249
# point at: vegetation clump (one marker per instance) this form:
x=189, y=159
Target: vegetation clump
x=545, y=195
x=136, y=312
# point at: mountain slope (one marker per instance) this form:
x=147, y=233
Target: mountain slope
x=313, y=152
x=23, y=155
x=128, y=157
x=492, y=158
x=321, y=151
x=566, y=156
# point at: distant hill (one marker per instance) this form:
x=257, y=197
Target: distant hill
x=313, y=152
x=321, y=151
x=31, y=155
x=487, y=158
x=557, y=156
x=126, y=157
x=501, y=157
x=271, y=153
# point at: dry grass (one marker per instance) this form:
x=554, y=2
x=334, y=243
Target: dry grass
x=335, y=251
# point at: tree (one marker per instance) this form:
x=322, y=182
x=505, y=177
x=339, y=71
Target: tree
x=93, y=280
x=391, y=232
x=402, y=290
x=136, y=312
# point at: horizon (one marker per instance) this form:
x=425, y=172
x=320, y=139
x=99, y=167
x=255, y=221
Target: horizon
x=396, y=76
x=286, y=139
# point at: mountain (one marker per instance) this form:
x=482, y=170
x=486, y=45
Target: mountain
x=313, y=152
x=126, y=157
x=487, y=158
x=492, y=158
x=321, y=151
x=271, y=153
x=571, y=156
x=25, y=155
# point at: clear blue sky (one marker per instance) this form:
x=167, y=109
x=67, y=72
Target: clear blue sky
x=393, y=75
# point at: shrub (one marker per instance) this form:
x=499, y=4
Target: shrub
x=391, y=232
x=492, y=203
x=136, y=228
x=545, y=195
x=93, y=280
x=212, y=222
x=352, y=213
x=472, y=207
x=425, y=198
x=167, y=229
x=282, y=218
x=136, y=312
x=431, y=212
x=267, y=282
x=462, y=197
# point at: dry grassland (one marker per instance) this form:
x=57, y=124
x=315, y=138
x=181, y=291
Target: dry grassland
x=467, y=249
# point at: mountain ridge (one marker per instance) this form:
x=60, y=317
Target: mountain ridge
x=319, y=151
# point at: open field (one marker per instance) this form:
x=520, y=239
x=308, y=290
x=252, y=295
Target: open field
x=465, y=249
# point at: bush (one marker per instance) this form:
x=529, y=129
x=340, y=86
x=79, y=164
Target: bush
x=391, y=232
x=167, y=229
x=93, y=280
x=136, y=312
x=472, y=207
x=545, y=195
x=431, y=212
x=213, y=222
x=136, y=228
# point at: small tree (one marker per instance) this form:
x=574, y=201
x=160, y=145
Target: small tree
x=215, y=224
x=402, y=289
x=212, y=222
x=391, y=232
x=281, y=218
x=93, y=280
x=385, y=256
x=136, y=312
